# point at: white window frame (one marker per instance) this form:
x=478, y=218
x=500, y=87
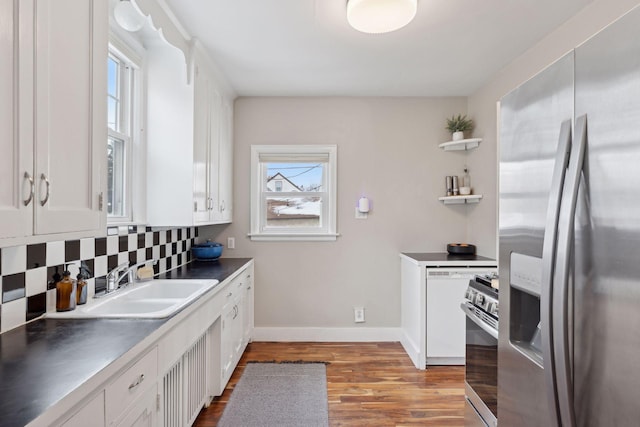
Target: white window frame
x=328, y=229
x=131, y=121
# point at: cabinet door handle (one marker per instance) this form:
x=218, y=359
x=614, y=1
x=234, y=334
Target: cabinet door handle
x=229, y=294
x=248, y=288
x=137, y=382
x=32, y=187
x=44, y=178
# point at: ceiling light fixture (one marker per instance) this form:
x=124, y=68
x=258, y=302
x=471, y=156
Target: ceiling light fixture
x=380, y=16
x=128, y=16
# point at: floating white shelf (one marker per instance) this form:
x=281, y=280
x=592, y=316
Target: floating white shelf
x=462, y=144
x=450, y=200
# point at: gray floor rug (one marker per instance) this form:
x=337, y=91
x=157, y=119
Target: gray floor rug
x=279, y=394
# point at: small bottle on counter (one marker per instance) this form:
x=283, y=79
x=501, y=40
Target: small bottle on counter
x=81, y=289
x=455, y=185
x=66, y=293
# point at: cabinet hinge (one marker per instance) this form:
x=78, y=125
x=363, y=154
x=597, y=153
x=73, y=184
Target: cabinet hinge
x=100, y=201
x=195, y=206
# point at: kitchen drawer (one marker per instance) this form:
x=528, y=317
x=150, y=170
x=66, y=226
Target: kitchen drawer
x=131, y=384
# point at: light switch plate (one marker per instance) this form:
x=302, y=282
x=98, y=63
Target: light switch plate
x=361, y=215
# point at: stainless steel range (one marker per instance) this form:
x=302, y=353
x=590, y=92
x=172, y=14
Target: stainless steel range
x=481, y=352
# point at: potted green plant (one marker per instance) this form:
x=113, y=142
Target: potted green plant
x=458, y=125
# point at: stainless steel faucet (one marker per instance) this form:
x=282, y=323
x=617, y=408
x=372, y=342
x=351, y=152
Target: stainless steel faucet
x=114, y=277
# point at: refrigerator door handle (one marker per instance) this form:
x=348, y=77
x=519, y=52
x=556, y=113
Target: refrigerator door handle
x=548, y=264
x=561, y=277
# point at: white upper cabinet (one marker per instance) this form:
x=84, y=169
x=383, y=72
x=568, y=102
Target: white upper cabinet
x=189, y=141
x=201, y=147
x=16, y=135
x=225, y=164
x=71, y=122
x=53, y=124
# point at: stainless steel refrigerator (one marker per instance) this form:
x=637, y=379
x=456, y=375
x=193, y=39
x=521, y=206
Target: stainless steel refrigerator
x=569, y=339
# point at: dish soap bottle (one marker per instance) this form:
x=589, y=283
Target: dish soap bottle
x=66, y=293
x=81, y=289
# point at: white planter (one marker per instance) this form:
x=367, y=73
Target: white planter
x=457, y=136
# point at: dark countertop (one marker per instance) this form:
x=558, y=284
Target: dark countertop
x=220, y=269
x=43, y=361
x=444, y=259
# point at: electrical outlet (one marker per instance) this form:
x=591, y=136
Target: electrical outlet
x=360, y=215
x=358, y=314
x=231, y=242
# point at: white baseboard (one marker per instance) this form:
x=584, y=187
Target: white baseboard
x=450, y=361
x=412, y=350
x=326, y=334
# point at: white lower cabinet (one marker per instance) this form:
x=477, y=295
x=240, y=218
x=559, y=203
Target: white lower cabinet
x=143, y=412
x=125, y=393
x=248, y=308
x=190, y=362
x=237, y=322
x=231, y=334
x=91, y=414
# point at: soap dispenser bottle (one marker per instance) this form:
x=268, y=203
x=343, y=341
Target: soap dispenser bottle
x=466, y=178
x=66, y=293
x=81, y=289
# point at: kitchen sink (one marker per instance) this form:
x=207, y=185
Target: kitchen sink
x=152, y=299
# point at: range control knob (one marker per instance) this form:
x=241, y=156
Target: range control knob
x=492, y=308
x=469, y=295
x=479, y=299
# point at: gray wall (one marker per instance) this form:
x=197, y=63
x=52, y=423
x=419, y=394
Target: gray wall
x=388, y=150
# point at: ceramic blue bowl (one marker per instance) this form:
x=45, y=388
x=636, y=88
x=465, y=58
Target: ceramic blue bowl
x=207, y=251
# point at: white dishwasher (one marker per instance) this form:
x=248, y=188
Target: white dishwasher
x=432, y=286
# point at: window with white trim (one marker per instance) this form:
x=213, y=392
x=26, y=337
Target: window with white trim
x=293, y=192
x=122, y=114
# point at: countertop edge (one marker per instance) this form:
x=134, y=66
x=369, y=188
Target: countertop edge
x=452, y=261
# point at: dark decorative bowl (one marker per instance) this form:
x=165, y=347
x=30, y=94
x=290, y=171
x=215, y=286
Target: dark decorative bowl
x=461, y=249
x=208, y=251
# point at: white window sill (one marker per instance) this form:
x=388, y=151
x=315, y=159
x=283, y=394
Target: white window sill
x=291, y=237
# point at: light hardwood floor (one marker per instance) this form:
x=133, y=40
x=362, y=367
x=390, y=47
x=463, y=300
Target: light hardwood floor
x=368, y=384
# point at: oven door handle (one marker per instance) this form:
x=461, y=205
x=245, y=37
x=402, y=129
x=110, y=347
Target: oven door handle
x=471, y=315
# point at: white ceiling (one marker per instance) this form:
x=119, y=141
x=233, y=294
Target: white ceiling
x=306, y=47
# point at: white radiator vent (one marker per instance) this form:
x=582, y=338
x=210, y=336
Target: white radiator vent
x=172, y=392
x=195, y=360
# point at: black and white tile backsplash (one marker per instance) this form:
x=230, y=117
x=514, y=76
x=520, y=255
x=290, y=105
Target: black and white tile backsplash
x=27, y=287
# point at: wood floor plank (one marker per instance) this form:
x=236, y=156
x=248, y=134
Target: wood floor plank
x=368, y=384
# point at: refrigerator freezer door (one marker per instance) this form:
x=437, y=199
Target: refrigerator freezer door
x=531, y=119
x=606, y=277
